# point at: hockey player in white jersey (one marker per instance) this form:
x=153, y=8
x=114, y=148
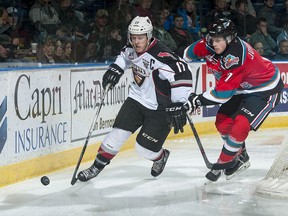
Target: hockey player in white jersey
x=160, y=78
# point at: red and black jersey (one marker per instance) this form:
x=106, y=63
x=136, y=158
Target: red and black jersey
x=238, y=70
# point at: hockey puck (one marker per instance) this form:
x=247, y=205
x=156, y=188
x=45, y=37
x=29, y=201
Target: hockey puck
x=45, y=180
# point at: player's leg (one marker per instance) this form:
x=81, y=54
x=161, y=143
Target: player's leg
x=241, y=164
x=255, y=109
x=224, y=122
x=109, y=148
x=128, y=120
x=151, y=138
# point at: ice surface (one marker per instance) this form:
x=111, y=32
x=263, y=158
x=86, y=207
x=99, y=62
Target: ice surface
x=125, y=187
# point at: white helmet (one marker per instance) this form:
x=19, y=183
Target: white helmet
x=140, y=25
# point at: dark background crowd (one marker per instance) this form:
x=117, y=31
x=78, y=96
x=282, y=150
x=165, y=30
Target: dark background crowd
x=83, y=31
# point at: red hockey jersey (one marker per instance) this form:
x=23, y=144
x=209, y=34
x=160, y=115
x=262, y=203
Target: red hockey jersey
x=238, y=70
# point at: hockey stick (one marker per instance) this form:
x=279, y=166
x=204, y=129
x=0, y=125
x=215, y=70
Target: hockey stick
x=209, y=165
x=74, y=177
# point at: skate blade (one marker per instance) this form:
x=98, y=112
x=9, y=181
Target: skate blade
x=241, y=169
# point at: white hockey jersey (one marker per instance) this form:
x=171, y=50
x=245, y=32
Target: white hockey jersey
x=159, y=76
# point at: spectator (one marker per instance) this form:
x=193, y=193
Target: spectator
x=221, y=10
x=45, y=18
x=121, y=14
x=182, y=37
x=250, y=9
x=261, y=35
x=70, y=17
x=5, y=41
x=99, y=35
x=4, y=52
x=115, y=41
x=282, y=15
x=16, y=31
x=246, y=24
x=46, y=51
x=258, y=46
x=99, y=28
x=282, y=55
x=160, y=33
x=12, y=13
x=8, y=40
x=284, y=34
x=67, y=55
x=269, y=14
x=4, y=20
x=144, y=8
x=191, y=19
x=63, y=31
x=58, y=52
x=91, y=53
x=166, y=13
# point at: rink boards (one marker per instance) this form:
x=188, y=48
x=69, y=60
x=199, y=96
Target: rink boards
x=46, y=113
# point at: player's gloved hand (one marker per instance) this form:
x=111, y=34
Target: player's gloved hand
x=112, y=76
x=177, y=115
x=193, y=102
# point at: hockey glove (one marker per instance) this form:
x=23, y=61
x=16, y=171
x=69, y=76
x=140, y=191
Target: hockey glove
x=177, y=116
x=193, y=102
x=112, y=76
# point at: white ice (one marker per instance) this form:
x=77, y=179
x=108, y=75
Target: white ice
x=125, y=187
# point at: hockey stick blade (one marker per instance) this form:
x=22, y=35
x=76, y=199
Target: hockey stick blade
x=209, y=165
x=74, y=177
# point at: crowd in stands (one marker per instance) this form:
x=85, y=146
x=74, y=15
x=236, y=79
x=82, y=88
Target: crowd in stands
x=69, y=31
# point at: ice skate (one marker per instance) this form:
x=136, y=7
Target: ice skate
x=213, y=175
x=158, y=166
x=242, y=163
x=90, y=173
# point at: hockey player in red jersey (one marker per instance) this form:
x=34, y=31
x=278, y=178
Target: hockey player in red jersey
x=247, y=85
x=160, y=77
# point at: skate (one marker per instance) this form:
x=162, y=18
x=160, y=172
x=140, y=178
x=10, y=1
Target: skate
x=242, y=163
x=213, y=175
x=90, y=173
x=158, y=166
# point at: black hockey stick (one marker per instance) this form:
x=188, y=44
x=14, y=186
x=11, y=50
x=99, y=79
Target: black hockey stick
x=209, y=165
x=74, y=177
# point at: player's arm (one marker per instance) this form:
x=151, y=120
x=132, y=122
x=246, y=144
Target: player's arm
x=115, y=70
x=179, y=75
x=197, y=50
x=224, y=90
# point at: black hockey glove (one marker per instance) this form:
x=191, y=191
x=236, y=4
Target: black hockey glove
x=177, y=115
x=112, y=76
x=194, y=102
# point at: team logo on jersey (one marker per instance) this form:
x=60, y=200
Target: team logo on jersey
x=139, y=74
x=139, y=71
x=145, y=63
x=230, y=60
x=246, y=85
x=216, y=73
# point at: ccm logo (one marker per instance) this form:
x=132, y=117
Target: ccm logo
x=171, y=109
x=149, y=137
x=247, y=111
